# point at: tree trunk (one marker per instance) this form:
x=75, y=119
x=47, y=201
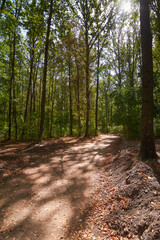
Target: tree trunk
x=97, y=91
x=10, y=112
x=13, y=82
x=87, y=84
x=34, y=83
x=29, y=88
x=70, y=100
x=34, y=92
x=111, y=116
x=119, y=63
x=133, y=63
x=106, y=109
x=43, y=101
x=147, y=149
x=78, y=103
x=10, y=98
x=48, y=112
x=52, y=99
x=31, y=100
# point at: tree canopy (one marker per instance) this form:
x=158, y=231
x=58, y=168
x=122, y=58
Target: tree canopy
x=74, y=67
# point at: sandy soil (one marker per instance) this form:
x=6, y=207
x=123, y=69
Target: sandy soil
x=46, y=187
x=77, y=188
x=126, y=203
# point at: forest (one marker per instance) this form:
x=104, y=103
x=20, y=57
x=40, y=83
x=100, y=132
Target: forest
x=74, y=68
x=79, y=119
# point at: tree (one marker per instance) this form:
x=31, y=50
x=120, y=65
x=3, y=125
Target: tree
x=43, y=101
x=16, y=13
x=67, y=76
x=147, y=149
x=34, y=24
x=102, y=41
x=92, y=12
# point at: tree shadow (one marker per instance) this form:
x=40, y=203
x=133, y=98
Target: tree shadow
x=155, y=165
x=49, y=189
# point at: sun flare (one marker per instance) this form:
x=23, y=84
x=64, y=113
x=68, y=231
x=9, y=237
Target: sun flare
x=126, y=6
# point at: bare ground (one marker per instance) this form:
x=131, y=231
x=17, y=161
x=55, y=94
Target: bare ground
x=75, y=188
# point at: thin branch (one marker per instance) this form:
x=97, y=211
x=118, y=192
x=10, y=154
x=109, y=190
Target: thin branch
x=96, y=35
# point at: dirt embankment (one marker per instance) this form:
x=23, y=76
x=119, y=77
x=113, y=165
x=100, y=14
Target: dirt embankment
x=127, y=199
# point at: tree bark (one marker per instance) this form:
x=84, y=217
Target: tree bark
x=34, y=91
x=106, y=106
x=78, y=102
x=147, y=149
x=119, y=63
x=70, y=99
x=97, y=90
x=133, y=63
x=34, y=83
x=87, y=81
x=43, y=101
x=13, y=83
x=10, y=100
x=52, y=99
x=29, y=87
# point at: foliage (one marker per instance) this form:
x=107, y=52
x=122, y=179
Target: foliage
x=70, y=95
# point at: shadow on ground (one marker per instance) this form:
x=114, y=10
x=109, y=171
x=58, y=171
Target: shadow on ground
x=45, y=187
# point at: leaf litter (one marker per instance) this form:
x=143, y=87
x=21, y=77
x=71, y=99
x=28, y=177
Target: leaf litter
x=126, y=202
x=123, y=204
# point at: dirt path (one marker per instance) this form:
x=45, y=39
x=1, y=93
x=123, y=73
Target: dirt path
x=46, y=187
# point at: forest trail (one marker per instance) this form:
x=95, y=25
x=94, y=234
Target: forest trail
x=46, y=187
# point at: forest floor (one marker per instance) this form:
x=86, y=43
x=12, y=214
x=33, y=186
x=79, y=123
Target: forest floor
x=78, y=188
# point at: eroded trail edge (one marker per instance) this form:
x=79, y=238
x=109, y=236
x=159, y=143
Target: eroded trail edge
x=126, y=203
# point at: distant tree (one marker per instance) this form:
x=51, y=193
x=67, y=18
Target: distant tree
x=77, y=74
x=43, y=101
x=16, y=13
x=147, y=149
x=92, y=13
x=34, y=25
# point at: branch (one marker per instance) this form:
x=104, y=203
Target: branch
x=96, y=35
x=104, y=41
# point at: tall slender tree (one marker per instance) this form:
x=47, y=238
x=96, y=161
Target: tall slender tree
x=17, y=12
x=92, y=12
x=43, y=101
x=147, y=149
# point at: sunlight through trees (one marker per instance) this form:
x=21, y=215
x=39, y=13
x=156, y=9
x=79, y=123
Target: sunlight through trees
x=77, y=74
